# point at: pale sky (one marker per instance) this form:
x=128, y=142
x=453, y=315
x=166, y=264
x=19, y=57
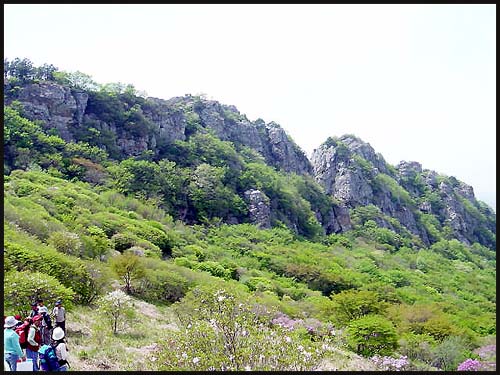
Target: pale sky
x=417, y=82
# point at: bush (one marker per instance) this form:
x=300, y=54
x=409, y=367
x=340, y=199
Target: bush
x=66, y=242
x=162, y=286
x=128, y=267
x=450, y=353
x=69, y=271
x=372, y=335
x=22, y=288
x=116, y=309
x=222, y=332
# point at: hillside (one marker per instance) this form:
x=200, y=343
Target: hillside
x=205, y=219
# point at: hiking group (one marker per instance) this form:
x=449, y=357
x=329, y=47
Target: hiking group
x=34, y=340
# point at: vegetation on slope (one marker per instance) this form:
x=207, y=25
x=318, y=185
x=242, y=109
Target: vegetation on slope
x=84, y=223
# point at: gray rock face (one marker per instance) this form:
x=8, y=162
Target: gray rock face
x=270, y=140
x=258, y=207
x=53, y=105
x=353, y=183
x=341, y=176
x=347, y=168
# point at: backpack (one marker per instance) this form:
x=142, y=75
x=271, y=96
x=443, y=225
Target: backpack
x=48, y=321
x=23, y=331
x=48, y=358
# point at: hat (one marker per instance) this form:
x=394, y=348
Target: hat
x=58, y=302
x=57, y=333
x=37, y=318
x=10, y=322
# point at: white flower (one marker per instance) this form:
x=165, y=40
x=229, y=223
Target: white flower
x=288, y=339
x=300, y=348
x=248, y=368
x=184, y=355
x=189, y=325
x=221, y=298
x=196, y=360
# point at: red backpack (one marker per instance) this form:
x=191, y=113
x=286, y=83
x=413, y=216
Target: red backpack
x=22, y=331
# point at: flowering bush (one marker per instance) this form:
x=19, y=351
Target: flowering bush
x=116, y=309
x=390, y=363
x=470, y=365
x=221, y=332
x=286, y=322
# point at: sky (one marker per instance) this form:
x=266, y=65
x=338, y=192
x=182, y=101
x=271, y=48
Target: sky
x=416, y=82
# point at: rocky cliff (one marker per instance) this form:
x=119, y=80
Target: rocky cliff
x=418, y=202
x=152, y=122
x=429, y=205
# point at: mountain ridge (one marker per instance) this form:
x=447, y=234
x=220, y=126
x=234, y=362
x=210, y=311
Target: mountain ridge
x=125, y=125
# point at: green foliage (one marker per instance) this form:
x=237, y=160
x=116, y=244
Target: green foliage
x=28, y=254
x=450, y=353
x=66, y=242
x=220, y=331
x=372, y=335
x=162, y=285
x=398, y=194
x=23, y=288
x=349, y=305
x=129, y=267
x=76, y=80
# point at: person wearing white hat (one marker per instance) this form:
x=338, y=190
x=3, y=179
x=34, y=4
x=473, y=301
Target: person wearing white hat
x=11, y=348
x=60, y=347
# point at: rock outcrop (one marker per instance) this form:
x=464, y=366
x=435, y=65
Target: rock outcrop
x=258, y=207
x=348, y=169
x=354, y=175
x=164, y=121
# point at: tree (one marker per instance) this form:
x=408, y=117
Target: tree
x=76, y=80
x=21, y=69
x=116, y=308
x=371, y=335
x=46, y=72
x=129, y=267
x=352, y=304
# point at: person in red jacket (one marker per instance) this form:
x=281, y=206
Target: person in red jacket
x=34, y=341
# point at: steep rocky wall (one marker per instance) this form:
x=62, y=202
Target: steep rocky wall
x=351, y=172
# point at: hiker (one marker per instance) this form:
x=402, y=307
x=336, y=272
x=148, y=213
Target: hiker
x=46, y=326
x=11, y=349
x=34, y=309
x=59, y=314
x=34, y=341
x=19, y=320
x=61, y=348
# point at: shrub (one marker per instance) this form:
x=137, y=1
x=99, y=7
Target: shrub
x=391, y=364
x=162, y=286
x=222, y=332
x=66, y=242
x=449, y=353
x=116, y=309
x=371, y=335
x=22, y=288
x=470, y=365
x=69, y=271
x=351, y=304
x=128, y=267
